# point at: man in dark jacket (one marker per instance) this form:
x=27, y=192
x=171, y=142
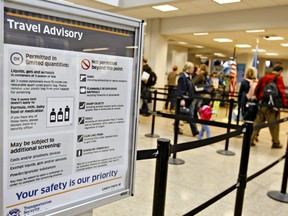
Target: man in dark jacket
x=145, y=88
x=266, y=113
x=186, y=89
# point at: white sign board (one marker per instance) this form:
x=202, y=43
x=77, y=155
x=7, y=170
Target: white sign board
x=69, y=104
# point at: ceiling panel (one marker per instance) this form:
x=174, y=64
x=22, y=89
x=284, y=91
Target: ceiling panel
x=202, y=3
x=207, y=7
x=261, y=3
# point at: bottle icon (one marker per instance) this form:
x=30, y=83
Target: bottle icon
x=53, y=115
x=60, y=115
x=67, y=113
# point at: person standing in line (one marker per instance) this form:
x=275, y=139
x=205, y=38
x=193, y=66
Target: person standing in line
x=205, y=112
x=201, y=77
x=194, y=73
x=186, y=90
x=266, y=113
x=145, y=90
x=171, y=97
x=247, y=88
x=201, y=82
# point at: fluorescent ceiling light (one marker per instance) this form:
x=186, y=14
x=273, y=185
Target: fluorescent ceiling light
x=259, y=50
x=165, y=8
x=199, y=47
x=255, y=31
x=284, y=44
x=131, y=47
x=272, y=38
x=219, y=54
x=272, y=54
x=243, y=45
x=222, y=40
x=201, y=33
x=226, y=1
x=182, y=42
x=198, y=55
x=95, y=49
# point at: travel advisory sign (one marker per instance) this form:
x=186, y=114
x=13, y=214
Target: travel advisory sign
x=67, y=112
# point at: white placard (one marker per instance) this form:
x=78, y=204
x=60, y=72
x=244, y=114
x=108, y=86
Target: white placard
x=68, y=117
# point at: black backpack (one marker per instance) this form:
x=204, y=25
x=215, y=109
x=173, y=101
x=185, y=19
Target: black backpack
x=152, y=79
x=271, y=96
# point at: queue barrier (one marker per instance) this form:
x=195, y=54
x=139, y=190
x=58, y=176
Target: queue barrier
x=165, y=149
x=226, y=151
x=174, y=159
x=155, y=113
x=153, y=118
x=281, y=195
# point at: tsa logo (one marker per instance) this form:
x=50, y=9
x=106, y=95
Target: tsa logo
x=14, y=212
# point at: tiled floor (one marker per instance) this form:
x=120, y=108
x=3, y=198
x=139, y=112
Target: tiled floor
x=204, y=174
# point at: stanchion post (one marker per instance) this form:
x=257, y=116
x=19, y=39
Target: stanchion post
x=226, y=151
x=223, y=97
x=239, y=114
x=285, y=173
x=161, y=173
x=282, y=196
x=174, y=160
x=242, y=177
x=176, y=125
x=153, y=117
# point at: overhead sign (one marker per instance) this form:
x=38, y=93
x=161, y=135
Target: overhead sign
x=69, y=110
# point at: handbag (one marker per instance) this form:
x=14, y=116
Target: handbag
x=251, y=112
x=184, y=110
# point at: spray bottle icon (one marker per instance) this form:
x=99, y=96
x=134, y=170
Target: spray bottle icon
x=67, y=113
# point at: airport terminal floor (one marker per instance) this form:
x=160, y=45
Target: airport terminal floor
x=205, y=174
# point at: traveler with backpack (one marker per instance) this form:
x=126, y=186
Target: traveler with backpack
x=270, y=92
x=246, y=98
x=149, y=79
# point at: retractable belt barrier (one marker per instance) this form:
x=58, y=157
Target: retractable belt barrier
x=146, y=154
x=204, y=142
x=179, y=117
x=165, y=149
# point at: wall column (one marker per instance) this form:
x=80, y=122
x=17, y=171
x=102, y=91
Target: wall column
x=156, y=49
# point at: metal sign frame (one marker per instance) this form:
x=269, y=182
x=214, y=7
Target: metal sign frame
x=69, y=107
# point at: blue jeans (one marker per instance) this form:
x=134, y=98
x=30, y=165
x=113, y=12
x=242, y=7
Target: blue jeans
x=203, y=129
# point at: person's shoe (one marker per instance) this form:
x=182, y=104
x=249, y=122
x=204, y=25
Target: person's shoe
x=194, y=135
x=276, y=146
x=252, y=144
